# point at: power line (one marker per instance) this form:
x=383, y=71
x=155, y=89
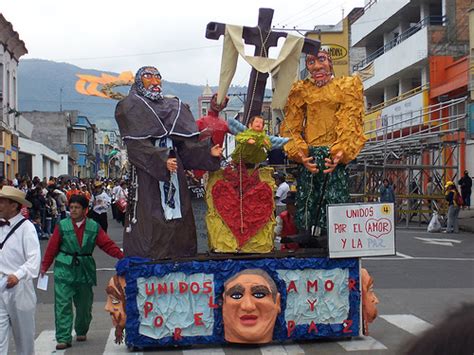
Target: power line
x=297, y=13
x=310, y=13
x=322, y=14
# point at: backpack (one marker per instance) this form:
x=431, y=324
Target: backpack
x=458, y=199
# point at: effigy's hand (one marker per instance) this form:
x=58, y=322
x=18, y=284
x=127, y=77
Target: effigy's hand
x=332, y=163
x=251, y=141
x=308, y=163
x=216, y=151
x=172, y=165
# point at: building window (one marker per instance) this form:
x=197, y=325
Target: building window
x=78, y=137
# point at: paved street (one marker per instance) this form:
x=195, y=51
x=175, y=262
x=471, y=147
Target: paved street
x=431, y=274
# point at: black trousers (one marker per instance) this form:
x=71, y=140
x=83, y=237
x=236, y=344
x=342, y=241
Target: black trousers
x=99, y=218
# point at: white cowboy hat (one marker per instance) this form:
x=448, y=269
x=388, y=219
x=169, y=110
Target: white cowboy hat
x=14, y=194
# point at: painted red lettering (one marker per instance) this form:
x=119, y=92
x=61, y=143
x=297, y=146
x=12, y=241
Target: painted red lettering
x=352, y=285
x=290, y=326
x=344, y=241
x=211, y=303
x=183, y=287
x=291, y=287
x=347, y=326
x=312, y=328
x=310, y=284
x=148, y=291
x=158, y=321
x=162, y=288
x=311, y=304
x=171, y=287
x=177, y=334
x=207, y=287
x=194, y=288
x=198, y=319
x=328, y=285
x=340, y=228
x=147, y=308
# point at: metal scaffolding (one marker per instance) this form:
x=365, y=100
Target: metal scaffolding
x=407, y=149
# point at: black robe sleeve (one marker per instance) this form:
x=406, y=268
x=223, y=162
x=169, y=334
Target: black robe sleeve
x=145, y=156
x=195, y=154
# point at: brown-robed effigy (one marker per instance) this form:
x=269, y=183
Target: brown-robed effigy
x=145, y=124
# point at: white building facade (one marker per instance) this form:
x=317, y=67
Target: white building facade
x=39, y=160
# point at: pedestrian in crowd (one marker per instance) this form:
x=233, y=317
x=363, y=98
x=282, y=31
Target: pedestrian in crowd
x=121, y=202
x=386, y=192
x=61, y=201
x=451, y=196
x=20, y=257
x=85, y=192
x=71, y=247
x=285, y=224
x=465, y=183
x=36, y=220
x=16, y=180
x=430, y=189
x=51, y=214
x=100, y=204
x=281, y=193
x=3, y=182
x=114, y=193
x=38, y=203
x=72, y=191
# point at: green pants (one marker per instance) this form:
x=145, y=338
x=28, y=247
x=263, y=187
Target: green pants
x=309, y=190
x=64, y=296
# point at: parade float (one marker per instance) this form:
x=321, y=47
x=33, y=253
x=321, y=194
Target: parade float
x=242, y=290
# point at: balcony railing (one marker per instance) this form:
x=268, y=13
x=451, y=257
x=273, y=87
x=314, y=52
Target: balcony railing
x=430, y=20
x=401, y=97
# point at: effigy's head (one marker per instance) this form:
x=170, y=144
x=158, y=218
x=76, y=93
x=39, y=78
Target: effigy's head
x=320, y=67
x=116, y=305
x=148, y=83
x=369, y=299
x=257, y=123
x=250, y=307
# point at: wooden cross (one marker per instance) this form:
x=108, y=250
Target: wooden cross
x=262, y=37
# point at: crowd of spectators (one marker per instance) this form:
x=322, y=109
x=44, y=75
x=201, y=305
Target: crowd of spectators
x=50, y=198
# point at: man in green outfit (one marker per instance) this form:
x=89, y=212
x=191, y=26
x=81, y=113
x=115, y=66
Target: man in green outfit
x=71, y=247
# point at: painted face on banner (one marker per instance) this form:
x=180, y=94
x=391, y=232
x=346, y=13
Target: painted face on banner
x=116, y=305
x=369, y=299
x=320, y=68
x=250, y=308
x=148, y=83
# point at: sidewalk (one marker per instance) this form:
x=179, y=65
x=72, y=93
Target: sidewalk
x=466, y=220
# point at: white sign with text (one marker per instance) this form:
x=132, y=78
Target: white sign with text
x=356, y=230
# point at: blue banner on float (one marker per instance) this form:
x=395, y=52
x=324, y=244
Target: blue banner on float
x=184, y=303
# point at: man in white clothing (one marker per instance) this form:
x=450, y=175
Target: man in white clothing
x=100, y=205
x=20, y=258
x=281, y=193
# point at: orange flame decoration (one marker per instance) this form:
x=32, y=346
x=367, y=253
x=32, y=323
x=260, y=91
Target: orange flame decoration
x=102, y=86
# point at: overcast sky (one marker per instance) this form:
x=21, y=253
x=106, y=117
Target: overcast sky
x=125, y=35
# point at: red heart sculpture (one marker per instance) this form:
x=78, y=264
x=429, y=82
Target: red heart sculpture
x=378, y=227
x=257, y=208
